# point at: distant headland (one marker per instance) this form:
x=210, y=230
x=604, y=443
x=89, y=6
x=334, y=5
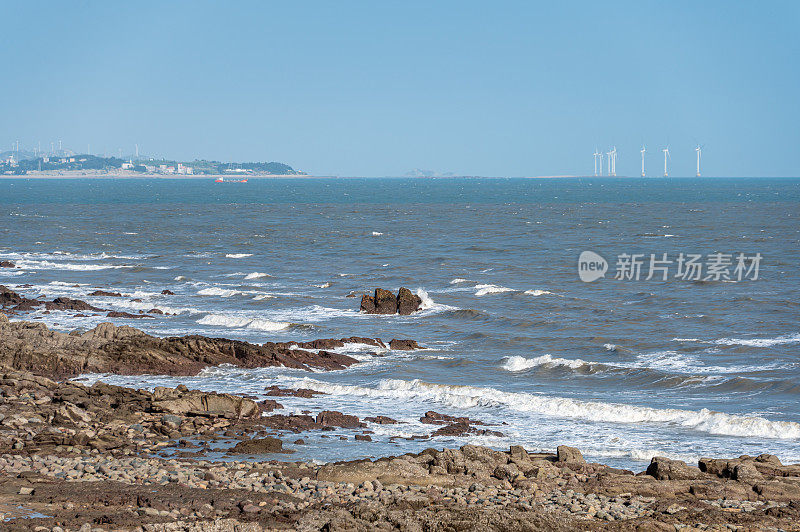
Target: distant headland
x=68, y=164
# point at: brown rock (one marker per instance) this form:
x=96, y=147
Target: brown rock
x=665, y=469
x=332, y=418
x=569, y=455
x=403, y=345
x=167, y=293
x=381, y=420
x=203, y=404
x=258, y=446
x=7, y=264
x=363, y=437
x=117, y=314
x=385, y=302
x=103, y=293
x=407, y=302
x=277, y=391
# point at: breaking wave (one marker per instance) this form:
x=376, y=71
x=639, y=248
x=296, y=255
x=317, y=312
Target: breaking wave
x=237, y=255
x=518, y=363
x=537, y=292
x=214, y=291
x=256, y=275
x=466, y=397
x=221, y=320
x=483, y=289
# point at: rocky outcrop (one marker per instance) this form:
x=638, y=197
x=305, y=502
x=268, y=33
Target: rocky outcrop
x=277, y=391
x=385, y=302
x=665, y=469
x=103, y=293
x=403, y=345
x=7, y=264
x=266, y=445
x=332, y=418
x=184, y=402
x=107, y=348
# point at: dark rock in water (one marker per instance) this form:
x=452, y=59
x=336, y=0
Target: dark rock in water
x=385, y=302
x=9, y=298
x=258, y=446
x=435, y=418
x=462, y=429
x=268, y=405
x=66, y=303
x=7, y=264
x=363, y=437
x=403, y=345
x=407, y=302
x=116, y=314
x=167, y=293
x=277, y=391
x=103, y=293
x=294, y=422
x=155, y=311
x=332, y=418
x=381, y=420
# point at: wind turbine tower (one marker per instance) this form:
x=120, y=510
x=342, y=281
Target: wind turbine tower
x=595, y=162
x=608, y=159
x=698, y=150
x=614, y=161
x=666, y=154
x=642, y=150
x=600, y=155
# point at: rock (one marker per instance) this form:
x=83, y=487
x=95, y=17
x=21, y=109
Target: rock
x=203, y=404
x=407, y=302
x=381, y=420
x=463, y=429
x=103, y=293
x=385, y=302
x=569, y=455
x=747, y=473
x=363, y=437
x=26, y=490
x=258, y=446
x=403, y=345
x=332, y=418
x=117, y=314
x=435, y=418
x=277, y=391
x=66, y=303
x=7, y=264
x=166, y=292
x=662, y=468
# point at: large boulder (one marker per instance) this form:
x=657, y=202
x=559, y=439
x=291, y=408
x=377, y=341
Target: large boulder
x=183, y=402
x=332, y=418
x=569, y=455
x=258, y=446
x=385, y=302
x=662, y=468
x=407, y=301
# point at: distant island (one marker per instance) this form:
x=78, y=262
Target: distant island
x=16, y=163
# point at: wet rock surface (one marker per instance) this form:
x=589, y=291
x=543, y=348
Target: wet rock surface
x=385, y=302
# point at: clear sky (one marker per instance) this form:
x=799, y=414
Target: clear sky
x=380, y=88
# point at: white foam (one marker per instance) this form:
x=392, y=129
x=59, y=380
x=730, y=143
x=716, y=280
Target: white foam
x=48, y=265
x=760, y=342
x=222, y=320
x=376, y=233
x=537, y=292
x=323, y=285
x=215, y=291
x=256, y=275
x=610, y=347
x=237, y=255
x=518, y=363
x=483, y=289
x=427, y=302
x=262, y=297
x=466, y=397
x=458, y=280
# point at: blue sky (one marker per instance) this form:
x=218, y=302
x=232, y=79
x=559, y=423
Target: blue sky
x=380, y=88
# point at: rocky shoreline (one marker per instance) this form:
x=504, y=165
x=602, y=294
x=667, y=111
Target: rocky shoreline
x=103, y=457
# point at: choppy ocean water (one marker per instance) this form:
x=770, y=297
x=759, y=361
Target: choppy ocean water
x=623, y=369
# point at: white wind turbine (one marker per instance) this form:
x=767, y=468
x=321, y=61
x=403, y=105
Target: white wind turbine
x=666, y=154
x=698, y=149
x=596, y=154
x=608, y=158
x=642, y=150
x=614, y=161
x=600, y=155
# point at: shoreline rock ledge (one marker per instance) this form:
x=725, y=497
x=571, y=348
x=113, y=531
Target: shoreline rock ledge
x=385, y=302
